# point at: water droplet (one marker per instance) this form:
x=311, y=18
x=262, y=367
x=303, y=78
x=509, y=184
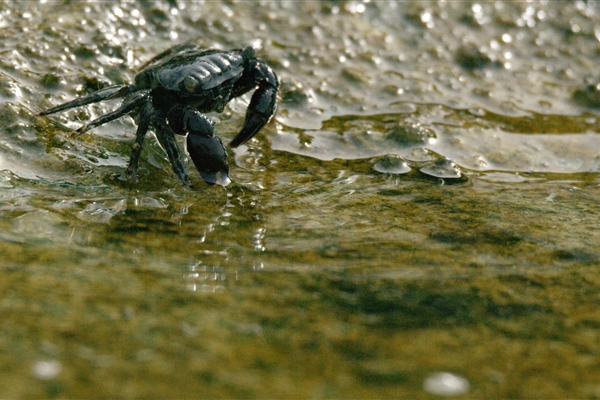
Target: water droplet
x=442, y=168
x=410, y=134
x=391, y=164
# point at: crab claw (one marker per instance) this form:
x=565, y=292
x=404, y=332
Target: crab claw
x=261, y=108
x=206, y=149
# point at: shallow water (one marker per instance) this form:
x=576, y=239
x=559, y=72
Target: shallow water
x=425, y=201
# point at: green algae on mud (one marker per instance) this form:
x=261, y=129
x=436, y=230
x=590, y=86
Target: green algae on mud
x=316, y=273
x=284, y=333
x=368, y=307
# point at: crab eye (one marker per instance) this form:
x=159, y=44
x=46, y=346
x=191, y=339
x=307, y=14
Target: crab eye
x=191, y=84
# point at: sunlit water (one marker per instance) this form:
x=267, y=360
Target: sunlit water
x=419, y=219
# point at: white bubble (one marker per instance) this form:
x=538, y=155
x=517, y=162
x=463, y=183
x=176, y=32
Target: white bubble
x=46, y=370
x=446, y=384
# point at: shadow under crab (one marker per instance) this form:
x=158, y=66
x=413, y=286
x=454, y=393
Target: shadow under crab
x=172, y=91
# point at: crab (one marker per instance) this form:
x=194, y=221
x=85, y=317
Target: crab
x=171, y=92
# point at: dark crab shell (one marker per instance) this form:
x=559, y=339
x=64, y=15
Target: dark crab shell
x=193, y=73
x=173, y=90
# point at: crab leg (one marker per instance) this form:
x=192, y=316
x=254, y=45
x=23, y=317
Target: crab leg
x=129, y=104
x=111, y=92
x=140, y=135
x=166, y=138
